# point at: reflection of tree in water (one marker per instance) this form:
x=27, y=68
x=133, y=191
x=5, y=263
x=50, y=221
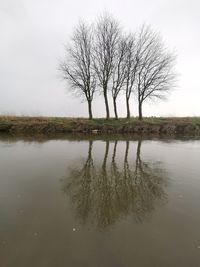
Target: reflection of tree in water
x=145, y=184
x=80, y=186
x=104, y=193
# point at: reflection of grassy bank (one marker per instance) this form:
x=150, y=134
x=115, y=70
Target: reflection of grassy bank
x=42, y=138
x=150, y=125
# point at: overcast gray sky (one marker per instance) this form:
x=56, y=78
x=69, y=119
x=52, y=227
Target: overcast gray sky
x=31, y=44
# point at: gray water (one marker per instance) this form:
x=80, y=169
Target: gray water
x=99, y=203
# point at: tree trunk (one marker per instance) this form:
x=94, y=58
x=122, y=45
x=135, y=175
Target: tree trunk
x=115, y=107
x=90, y=109
x=128, y=108
x=106, y=104
x=140, y=111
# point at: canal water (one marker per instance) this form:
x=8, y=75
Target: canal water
x=114, y=202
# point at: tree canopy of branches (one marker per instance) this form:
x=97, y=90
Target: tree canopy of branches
x=155, y=75
x=107, y=37
x=77, y=67
x=101, y=58
x=119, y=72
x=132, y=61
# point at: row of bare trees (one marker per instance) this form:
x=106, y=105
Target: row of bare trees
x=102, y=58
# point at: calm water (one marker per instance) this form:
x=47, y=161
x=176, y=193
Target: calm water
x=99, y=203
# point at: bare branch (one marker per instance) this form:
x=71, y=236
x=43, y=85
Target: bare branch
x=107, y=36
x=119, y=71
x=77, y=67
x=156, y=75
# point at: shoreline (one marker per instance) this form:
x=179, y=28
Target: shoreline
x=58, y=125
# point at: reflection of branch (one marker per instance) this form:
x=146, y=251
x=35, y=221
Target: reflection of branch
x=149, y=181
x=126, y=152
x=103, y=189
x=138, y=154
x=80, y=184
x=114, y=151
x=103, y=193
x=126, y=164
x=90, y=160
x=105, y=156
x=114, y=168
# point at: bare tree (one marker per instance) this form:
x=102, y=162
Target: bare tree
x=103, y=57
x=77, y=68
x=119, y=72
x=132, y=62
x=107, y=33
x=155, y=74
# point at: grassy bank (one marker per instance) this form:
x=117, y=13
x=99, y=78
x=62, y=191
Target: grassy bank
x=45, y=125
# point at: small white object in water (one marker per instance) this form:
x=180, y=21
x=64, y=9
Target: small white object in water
x=180, y=196
x=198, y=247
x=74, y=229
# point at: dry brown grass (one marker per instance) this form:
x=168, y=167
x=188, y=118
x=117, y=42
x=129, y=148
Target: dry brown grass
x=98, y=121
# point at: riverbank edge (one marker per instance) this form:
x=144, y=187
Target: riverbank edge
x=56, y=125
